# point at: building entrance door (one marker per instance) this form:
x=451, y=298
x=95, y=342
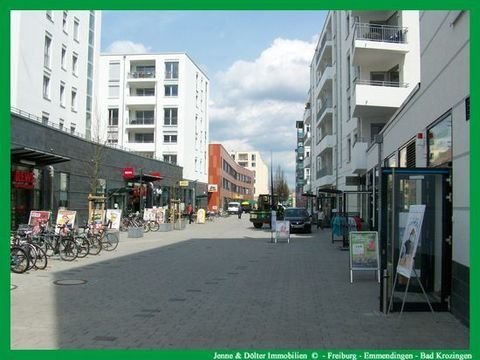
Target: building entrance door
x=401, y=188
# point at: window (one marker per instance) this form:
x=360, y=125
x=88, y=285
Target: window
x=113, y=117
x=440, y=142
x=171, y=90
x=170, y=158
x=171, y=70
x=140, y=137
x=349, y=149
x=61, y=124
x=73, y=127
x=46, y=86
x=348, y=24
x=114, y=71
x=113, y=91
x=45, y=117
x=170, y=116
x=75, y=64
x=64, y=22
x=348, y=72
x=47, y=52
x=406, y=155
x=254, y=164
x=74, y=100
x=76, y=26
x=467, y=108
x=170, y=139
x=64, y=57
x=253, y=157
x=143, y=117
x=64, y=183
x=49, y=15
x=62, y=94
x=145, y=92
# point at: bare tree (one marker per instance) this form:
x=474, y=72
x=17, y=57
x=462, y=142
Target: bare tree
x=280, y=186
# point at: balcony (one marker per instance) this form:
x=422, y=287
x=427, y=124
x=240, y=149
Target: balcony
x=325, y=79
x=307, y=115
x=325, y=112
x=141, y=77
x=140, y=100
x=148, y=123
x=358, y=161
x=327, y=142
x=379, y=44
x=378, y=98
x=325, y=48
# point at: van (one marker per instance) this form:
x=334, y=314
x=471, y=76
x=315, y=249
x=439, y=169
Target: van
x=233, y=207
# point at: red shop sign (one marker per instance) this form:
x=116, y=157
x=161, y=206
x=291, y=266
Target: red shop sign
x=128, y=173
x=23, y=179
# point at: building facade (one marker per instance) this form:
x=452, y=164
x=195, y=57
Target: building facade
x=227, y=180
x=390, y=104
x=54, y=66
x=253, y=161
x=157, y=105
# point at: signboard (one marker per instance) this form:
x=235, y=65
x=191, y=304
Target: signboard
x=410, y=240
x=22, y=179
x=37, y=218
x=65, y=217
x=128, y=172
x=98, y=218
x=212, y=188
x=364, y=253
x=282, y=230
x=201, y=216
x=114, y=216
x=149, y=214
x=183, y=183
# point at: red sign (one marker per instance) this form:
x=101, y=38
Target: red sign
x=155, y=173
x=23, y=179
x=128, y=173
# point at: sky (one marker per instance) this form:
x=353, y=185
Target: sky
x=258, y=64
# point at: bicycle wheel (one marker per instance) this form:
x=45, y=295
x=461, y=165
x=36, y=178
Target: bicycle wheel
x=18, y=260
x=68, y=250
x=42, y=260
x=154, y=225
x=83, y=246
x=32, y=254
x=146, y=226
x=124, y=225
x=109, y=241
x=95, y=245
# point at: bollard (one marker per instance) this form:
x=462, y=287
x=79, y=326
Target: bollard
x=385, y=293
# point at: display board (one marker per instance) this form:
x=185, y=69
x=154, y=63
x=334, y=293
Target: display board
x=410, y=240
x=282, y=231
x=364, y=253
x=114, y=216
x=67, y=217
x=37, y=218
x=201, y=216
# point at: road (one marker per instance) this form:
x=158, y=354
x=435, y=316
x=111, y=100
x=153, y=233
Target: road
x=218, y=285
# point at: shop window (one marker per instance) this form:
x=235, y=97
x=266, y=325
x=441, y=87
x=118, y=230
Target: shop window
x=440, y=142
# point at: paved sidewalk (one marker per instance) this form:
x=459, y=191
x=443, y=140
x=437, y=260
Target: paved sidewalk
x=220, y=285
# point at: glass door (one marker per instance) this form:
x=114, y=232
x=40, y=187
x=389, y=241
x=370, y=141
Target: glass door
x=400, y=189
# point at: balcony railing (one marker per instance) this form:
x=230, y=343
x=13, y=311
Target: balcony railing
x=381, y=83
x=324, y=172
x=381, y=33
x=141, y=75
x=146, y=121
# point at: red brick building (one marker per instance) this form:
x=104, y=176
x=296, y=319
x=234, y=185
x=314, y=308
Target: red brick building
x=227, y=181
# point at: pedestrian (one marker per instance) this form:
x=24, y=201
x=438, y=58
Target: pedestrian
x=190, y=213
x=321, y=219
x=240, y=210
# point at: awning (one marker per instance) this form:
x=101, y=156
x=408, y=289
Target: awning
x=34, y=157
x=144, y=178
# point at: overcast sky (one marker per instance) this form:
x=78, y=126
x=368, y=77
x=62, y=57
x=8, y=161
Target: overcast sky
x=257, y=62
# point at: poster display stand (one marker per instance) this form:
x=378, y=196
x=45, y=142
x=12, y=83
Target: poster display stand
x=282, y=231
x=364, y=255
x=408, y=250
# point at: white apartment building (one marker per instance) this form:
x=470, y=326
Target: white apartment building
x=54, y=57
x=252, y=160
x=157, y=105
x=365, y=65
x=390, y=102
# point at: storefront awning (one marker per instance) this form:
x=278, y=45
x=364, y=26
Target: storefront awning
x=144, y=178
x=33, y=157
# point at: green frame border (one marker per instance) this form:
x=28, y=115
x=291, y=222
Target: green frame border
x=7, y=5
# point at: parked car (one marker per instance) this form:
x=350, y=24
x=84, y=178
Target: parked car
x=300, y=219
x=233, y=207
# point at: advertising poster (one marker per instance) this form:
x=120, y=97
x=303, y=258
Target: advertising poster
x=364, y=250
x=36, y=218
x=65, y=217
x=282, y=230
x=114, y=216
x=410, y=241
x=201, y=216
x=98, y=218
x=149, y=214
x=160, y=215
